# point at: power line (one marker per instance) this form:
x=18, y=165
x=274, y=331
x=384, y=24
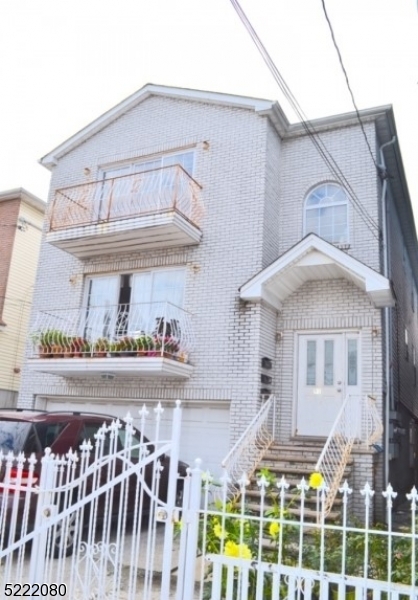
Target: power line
x=307, y=125
x=334, y=41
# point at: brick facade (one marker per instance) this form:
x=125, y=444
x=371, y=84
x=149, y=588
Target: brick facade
x=254, y=185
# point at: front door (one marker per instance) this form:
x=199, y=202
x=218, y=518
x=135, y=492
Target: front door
x=328, y=370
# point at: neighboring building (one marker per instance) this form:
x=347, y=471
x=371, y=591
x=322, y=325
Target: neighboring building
x=21, y=219
x=208, y=217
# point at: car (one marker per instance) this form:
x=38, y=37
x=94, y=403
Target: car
x=32, y=431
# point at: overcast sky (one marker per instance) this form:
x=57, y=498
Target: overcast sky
x=62, y=64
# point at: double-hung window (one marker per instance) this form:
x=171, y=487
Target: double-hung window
x=148, y=302
x=326, y=213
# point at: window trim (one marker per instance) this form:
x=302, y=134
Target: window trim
x=129, y=163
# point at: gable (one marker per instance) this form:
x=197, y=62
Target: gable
x=314, y=259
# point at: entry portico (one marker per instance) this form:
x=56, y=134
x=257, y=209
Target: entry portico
x=328, y=343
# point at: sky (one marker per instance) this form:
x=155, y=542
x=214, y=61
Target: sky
x=63, y=64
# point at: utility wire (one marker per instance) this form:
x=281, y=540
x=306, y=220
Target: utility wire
x=334, y=41
x=308, y=127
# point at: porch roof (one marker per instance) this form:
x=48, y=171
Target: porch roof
x=314, y=259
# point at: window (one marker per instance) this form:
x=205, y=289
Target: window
x=143, y=185
x=352, y=362
x=326, y=213
x=406, y=345
x=134, y=303
x=311, y=363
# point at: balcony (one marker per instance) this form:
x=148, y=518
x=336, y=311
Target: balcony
x=158, y=208
x=135, y=340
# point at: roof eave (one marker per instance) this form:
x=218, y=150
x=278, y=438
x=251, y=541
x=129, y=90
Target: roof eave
x=259, y=105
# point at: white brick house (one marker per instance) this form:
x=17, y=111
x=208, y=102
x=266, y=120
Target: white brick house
x=210, y=219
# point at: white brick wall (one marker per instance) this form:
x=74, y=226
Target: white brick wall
x=254, y=188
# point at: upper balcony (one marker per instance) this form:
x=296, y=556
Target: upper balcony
x=157, y=208
x=135, y=340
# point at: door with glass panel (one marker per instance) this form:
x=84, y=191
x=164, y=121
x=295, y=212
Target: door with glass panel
x=328, y=371
x=143, y=187
x=130, y=304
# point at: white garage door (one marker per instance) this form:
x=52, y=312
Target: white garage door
x=205, y=427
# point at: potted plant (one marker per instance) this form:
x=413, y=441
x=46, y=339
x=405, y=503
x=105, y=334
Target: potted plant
x=127, y=346
x=101, y=347
x=143, y=344
x=52, y=343
x=76, y=347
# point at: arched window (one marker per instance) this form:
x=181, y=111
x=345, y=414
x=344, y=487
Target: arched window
x=326, y=213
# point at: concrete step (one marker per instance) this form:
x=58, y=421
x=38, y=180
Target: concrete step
x=309, y=514
x=310, y=497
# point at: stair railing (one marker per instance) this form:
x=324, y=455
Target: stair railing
x=358, y=422
x=245, y=455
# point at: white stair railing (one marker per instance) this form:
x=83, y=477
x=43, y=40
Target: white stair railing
x=245, y=455
x=358, y=422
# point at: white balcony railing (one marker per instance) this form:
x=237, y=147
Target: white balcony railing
x=135, y=330
x=150, y=192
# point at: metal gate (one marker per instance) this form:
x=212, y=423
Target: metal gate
x=100, y=523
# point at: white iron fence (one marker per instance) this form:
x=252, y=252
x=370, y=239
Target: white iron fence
x=153, y=191
x=274, y=555
x=142, y=329
x=95, y=524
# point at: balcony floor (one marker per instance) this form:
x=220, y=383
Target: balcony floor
x=146, y=366
x=161, y=230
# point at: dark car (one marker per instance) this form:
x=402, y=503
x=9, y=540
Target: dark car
x=31, y=432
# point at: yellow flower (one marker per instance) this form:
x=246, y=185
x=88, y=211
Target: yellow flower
x=316, y=480
x=237, y=550
x=274, y=529
x=218, y=531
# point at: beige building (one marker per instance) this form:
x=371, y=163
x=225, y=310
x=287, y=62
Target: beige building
x=21, y=217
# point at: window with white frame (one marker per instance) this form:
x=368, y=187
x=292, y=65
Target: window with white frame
x=147, y=302
x=184, y=159
x=326, y=213
x=143, y=185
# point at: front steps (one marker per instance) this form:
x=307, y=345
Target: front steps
x=293, y=460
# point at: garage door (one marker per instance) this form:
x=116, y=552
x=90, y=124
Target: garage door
x=205, y=427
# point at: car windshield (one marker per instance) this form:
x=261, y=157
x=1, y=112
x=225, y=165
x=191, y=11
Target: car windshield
x=13, y=435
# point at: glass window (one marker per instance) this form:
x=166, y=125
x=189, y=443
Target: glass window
x=326, y=213
x=329, y=362
x=406, y=345
x=311, y=363
x=352, y=362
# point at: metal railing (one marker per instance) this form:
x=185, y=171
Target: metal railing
x=143, y=329
x=150, y=192
x=277, y=554
x=358, y=421
x=247, y=452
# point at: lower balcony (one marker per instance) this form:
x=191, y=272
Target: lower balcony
x=139, y=340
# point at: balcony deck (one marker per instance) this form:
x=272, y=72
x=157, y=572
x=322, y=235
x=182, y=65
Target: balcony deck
x=134, y=234
x=154, y=209
x=108, y=368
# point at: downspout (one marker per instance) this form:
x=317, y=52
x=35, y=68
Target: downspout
x=387, y=314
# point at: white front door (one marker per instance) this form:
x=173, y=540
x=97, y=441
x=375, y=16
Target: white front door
x=328, y=370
